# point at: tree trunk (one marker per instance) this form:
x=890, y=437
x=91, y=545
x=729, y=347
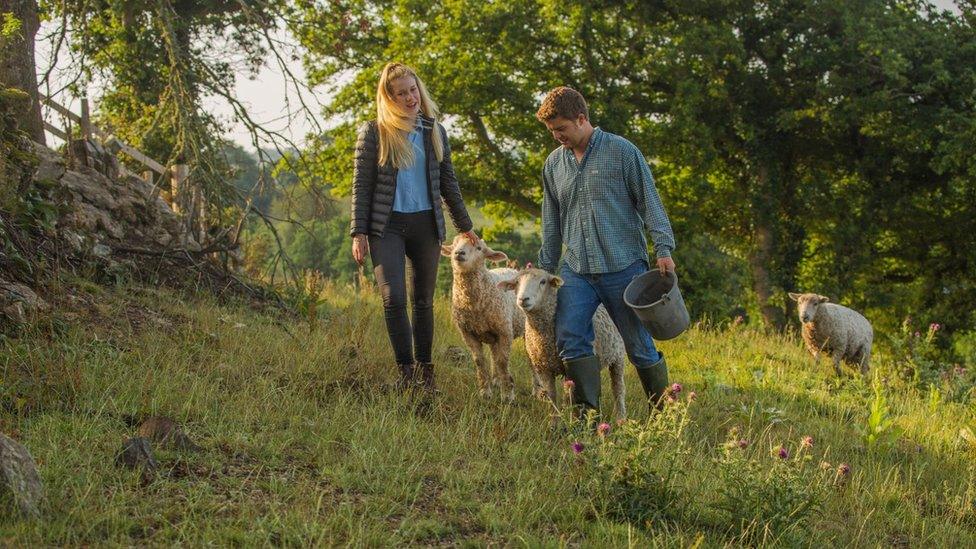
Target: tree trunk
x=759, y=261
x=764, y=250
x=17, y=68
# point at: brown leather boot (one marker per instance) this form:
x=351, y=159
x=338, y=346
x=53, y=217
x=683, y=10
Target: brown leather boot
x=425, y=377
x=407, y=378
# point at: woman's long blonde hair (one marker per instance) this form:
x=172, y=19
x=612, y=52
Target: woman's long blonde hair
x=394, y=124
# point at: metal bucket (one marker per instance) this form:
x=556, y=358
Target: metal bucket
x=658, y=304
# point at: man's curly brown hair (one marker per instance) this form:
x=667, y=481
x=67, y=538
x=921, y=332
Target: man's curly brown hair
x=562, y=101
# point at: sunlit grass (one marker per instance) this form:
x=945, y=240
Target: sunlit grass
x=303, y=445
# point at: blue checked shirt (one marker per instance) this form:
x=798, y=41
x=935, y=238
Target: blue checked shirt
x=598, y=208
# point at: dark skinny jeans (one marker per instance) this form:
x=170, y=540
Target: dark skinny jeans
x=408, y=236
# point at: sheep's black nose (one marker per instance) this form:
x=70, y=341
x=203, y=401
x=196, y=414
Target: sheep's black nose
x=459, y=255
x=524, y=301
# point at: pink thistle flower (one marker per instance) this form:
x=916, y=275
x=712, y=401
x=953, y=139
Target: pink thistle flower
x=569, y=384
x=676, y=388
x=935, y=327
x=806, y=442
x=918, y=334
x=603, y=429
x=577, y=448
x=843, y=469
x=692, y=396
x=743, y=444
x=783, y=453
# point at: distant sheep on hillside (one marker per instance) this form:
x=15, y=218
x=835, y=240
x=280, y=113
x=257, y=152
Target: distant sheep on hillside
x=483, y=313
x=841, y=332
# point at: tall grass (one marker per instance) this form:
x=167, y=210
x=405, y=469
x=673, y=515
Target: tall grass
x=304, y=446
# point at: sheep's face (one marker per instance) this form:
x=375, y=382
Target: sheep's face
x=807, y=305
x=532, y=288
x=466, y=256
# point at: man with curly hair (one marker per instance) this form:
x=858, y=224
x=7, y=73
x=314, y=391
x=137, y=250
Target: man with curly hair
x=598, y=197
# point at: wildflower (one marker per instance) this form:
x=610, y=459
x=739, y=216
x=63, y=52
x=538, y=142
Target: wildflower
x=577, y=448
x=843, y=470
x=675, y=388
x=603, y=429
x=783, y=453
x=692, y=396
x=737, y=320
x=743, y=443
x=918, y=334
x=826, y=466
x=935, y=327
x=670, y=399
x=806, y=442
x=569, y=384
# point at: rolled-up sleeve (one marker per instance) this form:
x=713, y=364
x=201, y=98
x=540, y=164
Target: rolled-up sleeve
x=640, y=184
x=552, y=235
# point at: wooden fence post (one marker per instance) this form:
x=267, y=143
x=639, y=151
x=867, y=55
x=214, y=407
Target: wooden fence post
x=86, y=128
x=178, y=176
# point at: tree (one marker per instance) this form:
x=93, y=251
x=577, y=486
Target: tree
x=17, y=68
x=745, y=107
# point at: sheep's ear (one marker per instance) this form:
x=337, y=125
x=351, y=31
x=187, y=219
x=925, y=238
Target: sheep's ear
x=492, y=255
x=446, y=250
x=508, y=285
x=824, y=299
x=794, y=297
x=556, y=282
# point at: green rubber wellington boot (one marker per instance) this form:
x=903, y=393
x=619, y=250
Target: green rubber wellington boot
x=654, y=379
x=585, y=374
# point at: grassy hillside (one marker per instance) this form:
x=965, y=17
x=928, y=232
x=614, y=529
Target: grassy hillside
x=303, y=446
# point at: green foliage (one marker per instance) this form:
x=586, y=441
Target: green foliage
x=635, y=472
x=770, y=498
x=916, y=357
x=879, y=428
x=302, y=446
x=9, y=25
x=799, y=137
x=159, y=60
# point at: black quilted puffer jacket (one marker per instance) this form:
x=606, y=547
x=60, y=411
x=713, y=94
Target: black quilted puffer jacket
x=374, y=186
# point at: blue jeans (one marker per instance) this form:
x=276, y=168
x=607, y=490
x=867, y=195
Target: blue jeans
x=577, y=300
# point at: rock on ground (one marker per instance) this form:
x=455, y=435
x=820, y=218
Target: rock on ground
x=20, y=476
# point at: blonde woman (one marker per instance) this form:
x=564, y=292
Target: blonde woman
x=402, y=172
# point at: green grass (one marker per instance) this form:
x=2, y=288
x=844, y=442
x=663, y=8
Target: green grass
x=302, y=446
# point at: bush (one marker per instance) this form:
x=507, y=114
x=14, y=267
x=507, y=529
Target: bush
x=915, y=356
x=769, y=497
x=634, y=471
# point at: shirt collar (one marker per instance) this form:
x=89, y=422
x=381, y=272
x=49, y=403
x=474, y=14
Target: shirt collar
x=594, y=142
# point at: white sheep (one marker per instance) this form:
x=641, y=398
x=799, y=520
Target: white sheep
x=535, y=292
x=484, y=313
x=841, y=332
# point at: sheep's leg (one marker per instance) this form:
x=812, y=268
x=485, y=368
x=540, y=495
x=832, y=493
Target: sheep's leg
x=837, y=356
x=619, y=391
x=500, y=351
x=538, y=385
x=480, y=365
x=865, y=360
x=548, y=380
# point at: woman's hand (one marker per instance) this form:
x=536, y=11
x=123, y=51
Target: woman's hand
x=472, y=237
x=360, y=247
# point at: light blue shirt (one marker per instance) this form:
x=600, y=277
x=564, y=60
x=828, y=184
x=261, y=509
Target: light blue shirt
x=599, y=208
x=412, y=194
